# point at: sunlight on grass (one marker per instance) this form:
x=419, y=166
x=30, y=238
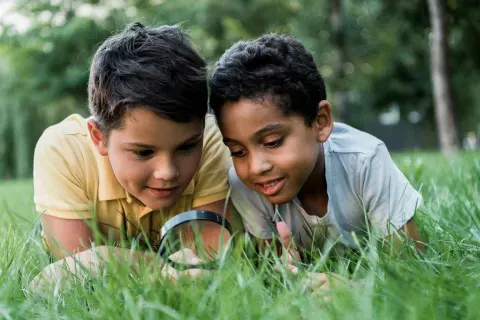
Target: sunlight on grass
x=441, y=283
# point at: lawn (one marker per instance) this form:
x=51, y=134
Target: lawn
x=444, y=282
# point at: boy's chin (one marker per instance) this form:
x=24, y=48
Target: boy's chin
x=159, y=204
x=281, y=198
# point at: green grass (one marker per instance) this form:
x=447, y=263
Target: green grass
x=442, y=283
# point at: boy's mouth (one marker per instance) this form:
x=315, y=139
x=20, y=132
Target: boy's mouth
x=270, y=187
x=163, y=192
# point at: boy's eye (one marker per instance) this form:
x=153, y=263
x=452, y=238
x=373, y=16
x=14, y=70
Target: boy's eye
x=238, y=154
x=274, y=144
x=188, y=147
x=143, y=154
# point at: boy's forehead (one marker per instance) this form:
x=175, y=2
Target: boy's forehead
x=250, y=117
x=144, y=116
x=249, y=110
x=143, y=126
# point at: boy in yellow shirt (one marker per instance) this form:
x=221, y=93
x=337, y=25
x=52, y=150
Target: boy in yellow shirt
x=148, y=152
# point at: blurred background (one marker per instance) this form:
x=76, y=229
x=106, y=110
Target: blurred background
x=405, y=71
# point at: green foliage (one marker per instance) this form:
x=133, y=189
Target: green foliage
x=44, y=70
x=443, y=282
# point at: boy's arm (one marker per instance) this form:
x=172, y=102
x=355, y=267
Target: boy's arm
x=409, y=230
x=389, y=199
x=60, y=193
x=93, y=262
x=58, y=232
x=88, y=263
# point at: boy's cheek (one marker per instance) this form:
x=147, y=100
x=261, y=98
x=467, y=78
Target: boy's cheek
x=241, y=170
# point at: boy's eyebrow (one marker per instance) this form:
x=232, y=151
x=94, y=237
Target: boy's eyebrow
x=140, y=145
x=268, y=128
x=227, y=140
x=193, y=138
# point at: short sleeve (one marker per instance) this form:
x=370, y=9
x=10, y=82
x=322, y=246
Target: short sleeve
x=211, y=179
x=389, y=198
x=59, y=185
x=256, y=211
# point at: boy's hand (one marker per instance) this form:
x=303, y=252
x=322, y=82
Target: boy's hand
x=184, y=256
x=54, y=273
x=317, y=282
x=289, y=251
x=321, y=283
x=63, y=273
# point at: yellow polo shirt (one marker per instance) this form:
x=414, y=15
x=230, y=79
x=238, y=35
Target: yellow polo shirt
x=72, y=181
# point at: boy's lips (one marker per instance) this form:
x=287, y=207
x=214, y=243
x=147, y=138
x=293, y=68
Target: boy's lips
x=163, y=192
x=270, y=187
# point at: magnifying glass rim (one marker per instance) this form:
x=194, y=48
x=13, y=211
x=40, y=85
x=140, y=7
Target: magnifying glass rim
x=188, y=216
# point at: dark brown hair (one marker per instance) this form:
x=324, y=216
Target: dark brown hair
x=156, y=68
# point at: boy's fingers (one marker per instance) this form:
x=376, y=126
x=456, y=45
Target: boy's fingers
x=290, y=267
x=287, y=238
x=51, y=275
x=185, y=256
x=174, y=275
x=314, y=280
x=195, y=273
x=324, y=292
x=317, y=280
x=169, y=272
x=284, y=233
x=293, y=254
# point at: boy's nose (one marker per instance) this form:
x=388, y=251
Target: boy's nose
x=165, y=169
x=259, y=165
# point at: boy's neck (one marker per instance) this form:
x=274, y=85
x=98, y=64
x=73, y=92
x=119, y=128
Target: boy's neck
x=316, y=184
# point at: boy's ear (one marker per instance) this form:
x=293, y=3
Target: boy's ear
x=99, y=140
x=324, y=121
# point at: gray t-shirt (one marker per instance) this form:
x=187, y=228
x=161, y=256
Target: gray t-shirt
x=365, y=188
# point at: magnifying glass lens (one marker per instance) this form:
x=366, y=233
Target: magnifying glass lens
x=196, y=243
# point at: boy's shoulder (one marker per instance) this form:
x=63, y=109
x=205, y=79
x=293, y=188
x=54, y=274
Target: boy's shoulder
x=71, y=134
x=211, y=129
x=345, y=139
x=66, y=143
x=71, y=125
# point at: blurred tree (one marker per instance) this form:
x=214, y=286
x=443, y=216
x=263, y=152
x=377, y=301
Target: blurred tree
x=226, y=22
x=398, y=33
x=441, y=78
x=339, y=46
x=47, y=74
x=48, y=64
x=44, y=70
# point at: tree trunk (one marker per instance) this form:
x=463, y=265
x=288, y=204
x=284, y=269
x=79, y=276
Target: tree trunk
x=340, y=95
x=441, y=80
x=4, y=142
x=22, y=152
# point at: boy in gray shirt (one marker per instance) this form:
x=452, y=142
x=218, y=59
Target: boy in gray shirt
x=296, y=169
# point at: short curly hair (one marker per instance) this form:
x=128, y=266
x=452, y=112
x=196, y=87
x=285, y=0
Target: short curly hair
x=156, y=68
x=273, y=66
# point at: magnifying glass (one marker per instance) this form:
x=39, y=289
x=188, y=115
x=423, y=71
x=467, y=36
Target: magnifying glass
x=196, y=239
